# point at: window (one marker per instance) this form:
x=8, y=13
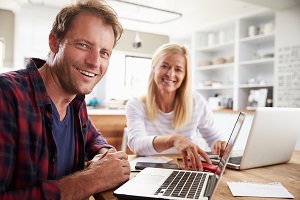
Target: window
x=137, y=71
x=2, y=50
x=127, y=76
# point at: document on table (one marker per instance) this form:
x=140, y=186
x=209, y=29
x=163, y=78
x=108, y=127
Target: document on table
x=152, y=159
x=250, y=189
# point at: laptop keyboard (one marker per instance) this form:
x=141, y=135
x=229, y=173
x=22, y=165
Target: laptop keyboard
x=183, y=185
x=235, y=160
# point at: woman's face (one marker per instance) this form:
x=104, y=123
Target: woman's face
x=169, y=74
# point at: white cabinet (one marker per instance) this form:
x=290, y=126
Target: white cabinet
x=230, y=59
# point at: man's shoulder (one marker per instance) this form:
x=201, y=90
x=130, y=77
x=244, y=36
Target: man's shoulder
x=12, y=79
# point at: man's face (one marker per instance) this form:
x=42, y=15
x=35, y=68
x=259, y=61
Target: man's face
x=83, y=55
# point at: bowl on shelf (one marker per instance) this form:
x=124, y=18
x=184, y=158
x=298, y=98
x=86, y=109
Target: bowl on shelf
x=205, y=63
x=114, y=103
x=219, y=61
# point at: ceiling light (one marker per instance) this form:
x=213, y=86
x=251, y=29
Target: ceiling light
x=142, y=13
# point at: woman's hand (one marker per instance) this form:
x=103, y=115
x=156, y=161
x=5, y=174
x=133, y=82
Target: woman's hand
x=219, y=147
x=190, y=152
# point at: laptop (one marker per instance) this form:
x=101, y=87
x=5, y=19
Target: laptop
x=271, y=140
x=160, y=183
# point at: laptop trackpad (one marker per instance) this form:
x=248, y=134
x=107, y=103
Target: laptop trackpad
x=148, y=179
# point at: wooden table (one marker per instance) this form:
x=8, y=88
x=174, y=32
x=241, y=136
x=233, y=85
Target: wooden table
x=287, y=174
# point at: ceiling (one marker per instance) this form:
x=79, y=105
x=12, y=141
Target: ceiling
x=195, y=13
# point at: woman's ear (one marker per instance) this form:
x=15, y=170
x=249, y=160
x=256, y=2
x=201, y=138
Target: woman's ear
x=53, y=43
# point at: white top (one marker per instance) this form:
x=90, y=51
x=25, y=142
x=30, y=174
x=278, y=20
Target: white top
x=141, y=131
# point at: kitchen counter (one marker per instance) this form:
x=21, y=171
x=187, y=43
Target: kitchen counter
x=105, y=111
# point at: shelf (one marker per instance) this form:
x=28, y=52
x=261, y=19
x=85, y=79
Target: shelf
x=257, y=61
x=253, y=59
x=217, y=47
x=243, y=86
x=211, y=67
x=258, y=39
x=215, y=87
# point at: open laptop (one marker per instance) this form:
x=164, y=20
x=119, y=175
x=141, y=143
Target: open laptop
x=159, y=183
x=271, y=140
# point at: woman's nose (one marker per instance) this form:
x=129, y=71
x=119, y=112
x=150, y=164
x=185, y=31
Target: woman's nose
x=170, y=71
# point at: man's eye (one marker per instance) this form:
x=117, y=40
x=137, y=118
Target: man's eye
x=82, y=45
x=104, y=53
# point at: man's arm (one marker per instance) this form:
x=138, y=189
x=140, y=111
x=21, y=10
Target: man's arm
x=104, y=173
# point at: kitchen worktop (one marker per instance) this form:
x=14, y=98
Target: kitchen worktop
x=105, y=111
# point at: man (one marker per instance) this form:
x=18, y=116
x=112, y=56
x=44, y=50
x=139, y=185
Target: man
x=45, y=132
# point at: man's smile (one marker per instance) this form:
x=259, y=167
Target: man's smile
x=86, y=73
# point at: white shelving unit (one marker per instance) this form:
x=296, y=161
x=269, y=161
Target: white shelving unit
x=229, y=63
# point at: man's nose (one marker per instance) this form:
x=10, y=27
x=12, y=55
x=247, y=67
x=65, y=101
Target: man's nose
x=94, y=58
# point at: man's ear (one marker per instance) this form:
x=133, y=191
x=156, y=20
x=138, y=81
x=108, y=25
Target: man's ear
x=53, y=43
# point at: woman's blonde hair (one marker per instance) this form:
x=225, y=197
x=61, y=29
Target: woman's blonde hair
x=183, y=107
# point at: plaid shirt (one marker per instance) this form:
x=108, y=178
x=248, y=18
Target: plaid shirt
x=27, y=148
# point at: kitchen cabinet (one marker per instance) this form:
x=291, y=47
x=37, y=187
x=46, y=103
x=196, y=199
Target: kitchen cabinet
x=234, y=57
x=110, y=125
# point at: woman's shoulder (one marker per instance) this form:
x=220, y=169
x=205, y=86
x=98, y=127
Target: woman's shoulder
x=197, y=97
x=199, y=101
x=135, y=102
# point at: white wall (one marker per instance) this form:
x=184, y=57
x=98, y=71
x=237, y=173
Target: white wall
x=287, y=58
x=32, y=28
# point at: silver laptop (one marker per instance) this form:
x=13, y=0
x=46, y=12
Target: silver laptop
x=271, y=140
x=159, y=183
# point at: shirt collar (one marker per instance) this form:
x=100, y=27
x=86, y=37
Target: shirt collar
x=41, y=95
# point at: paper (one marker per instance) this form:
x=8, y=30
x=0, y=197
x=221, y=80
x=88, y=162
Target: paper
x=153, y=159
x=250, y=189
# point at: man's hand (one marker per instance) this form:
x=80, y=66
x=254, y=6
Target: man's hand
x=106, y=171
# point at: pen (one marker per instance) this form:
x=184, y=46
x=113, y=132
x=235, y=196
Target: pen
x=105, y=153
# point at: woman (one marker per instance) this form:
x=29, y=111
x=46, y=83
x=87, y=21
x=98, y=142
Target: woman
x=171, y=115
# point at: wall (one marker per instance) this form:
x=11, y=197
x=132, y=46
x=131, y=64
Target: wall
x=33, y=24
x=287, y=93
x=6, y=32
x=150, y=42
x=287, y=54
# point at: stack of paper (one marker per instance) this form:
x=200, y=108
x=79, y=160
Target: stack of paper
x=250, y=189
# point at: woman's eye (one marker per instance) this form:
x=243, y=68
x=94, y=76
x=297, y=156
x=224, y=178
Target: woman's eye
x=165, y=67
x=179, y=70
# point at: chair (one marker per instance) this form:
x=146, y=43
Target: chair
x=124, y=140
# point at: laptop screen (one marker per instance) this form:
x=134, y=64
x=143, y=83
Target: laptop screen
x=228, y=149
